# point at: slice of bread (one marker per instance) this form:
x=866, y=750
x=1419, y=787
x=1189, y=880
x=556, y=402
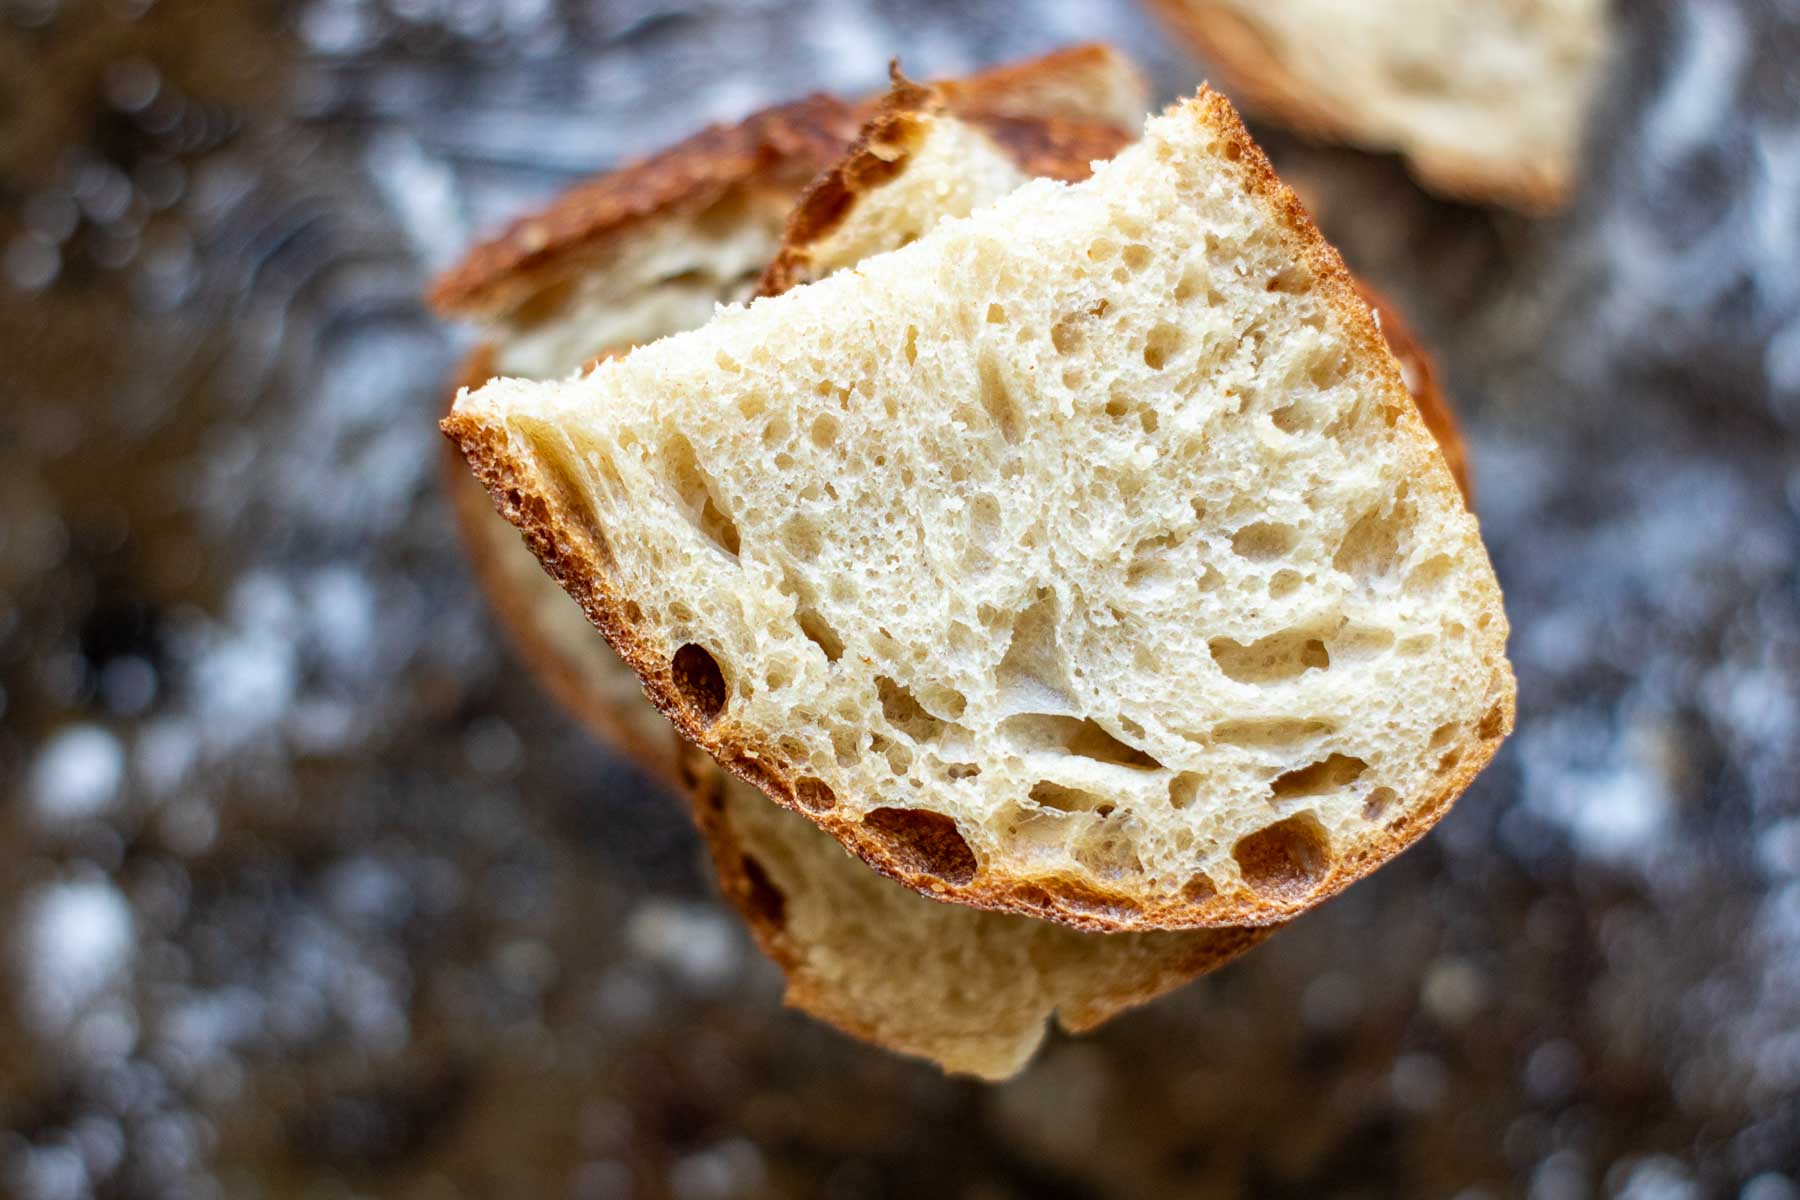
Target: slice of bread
x=1487, y=100
x=1086, y=558
x=971, y=991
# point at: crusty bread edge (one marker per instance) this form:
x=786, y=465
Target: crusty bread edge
x=704, y=790
x=572, y=555
x=1049, y=147
x=783, y=146
x=1434, y=406
x=1251, y=72
x=472, y=515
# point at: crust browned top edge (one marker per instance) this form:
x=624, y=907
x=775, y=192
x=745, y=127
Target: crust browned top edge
x=1051, y=147
x=577, y=556
x=1257, y=76
x=1091, y=82
x=783, y=146
x=787, y=144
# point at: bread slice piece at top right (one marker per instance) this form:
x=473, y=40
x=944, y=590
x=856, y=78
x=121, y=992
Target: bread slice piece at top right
x=1488, y=100
x=1086, y=558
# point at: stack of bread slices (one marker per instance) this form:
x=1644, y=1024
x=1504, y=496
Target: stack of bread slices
x=1045, y=576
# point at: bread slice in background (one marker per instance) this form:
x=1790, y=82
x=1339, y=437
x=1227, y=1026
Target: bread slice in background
x=1487, y=99
x=1086, y=558
x=971, y=991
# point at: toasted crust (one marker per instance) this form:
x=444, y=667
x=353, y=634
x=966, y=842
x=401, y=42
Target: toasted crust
x=1051, y=147
x=1085, y=83
x=745, y=883
x=1262, y=82
x=563, y=674
x=779, y=147
x=1419, y=372
x=577, y=556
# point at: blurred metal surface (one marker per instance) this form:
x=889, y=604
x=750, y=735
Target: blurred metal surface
x=308, y=892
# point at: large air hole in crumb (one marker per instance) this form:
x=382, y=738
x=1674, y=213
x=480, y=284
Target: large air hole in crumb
x=1137, y=256
x=1328, y=775
x=997, y=399
x=819, y=632
x=1286, y=861
x=1062, y=798
x=1067, y=335
x=923, y=843
x=996, y=314
x=1444, y=734
x=802, y=536
x=1264, y=541
x=699, y=682
x=814, y=795
x=1284, y=582
x=984, y=533
x=1151, y=560
x=1108, y=852
x=1492, y=724
x=1039, y=733
x=905, y=713
x=682, y=469
x=1358, y=643
x=1429, y=575
x=1164, y=342
x=1377, y=802
x=563, y=483
x=1199, y=890
x=1184, y=789
x=1296, y=417
x=824, y=430
x=1291, y=280
x=1281, y=656
x=1031, y=676
x=1271, y=733
x=1372, y=546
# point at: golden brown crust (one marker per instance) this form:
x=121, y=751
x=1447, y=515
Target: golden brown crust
x=1051, y=147
x=577, y=556
x=1250, y=70
x=1419, y=372
x=782, y=147
x=1090, y=82
x=472, y=513
x=1183, y=957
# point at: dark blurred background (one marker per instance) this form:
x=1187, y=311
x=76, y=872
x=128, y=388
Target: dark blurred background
x=306, y=889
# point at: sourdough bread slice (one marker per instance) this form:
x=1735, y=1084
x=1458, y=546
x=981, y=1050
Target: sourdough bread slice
x=971, y=991
x=1086, y=558
x=1487, y=100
